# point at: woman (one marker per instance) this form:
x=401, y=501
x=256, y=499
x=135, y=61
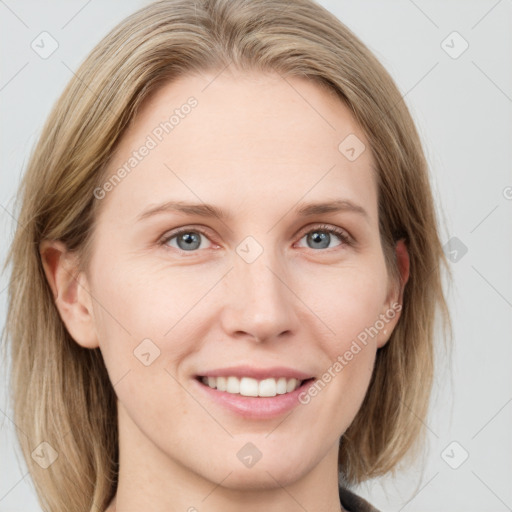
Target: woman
x=224, y=287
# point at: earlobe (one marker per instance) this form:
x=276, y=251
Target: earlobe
x=70, y=292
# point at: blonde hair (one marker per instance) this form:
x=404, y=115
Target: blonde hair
x=61, y=392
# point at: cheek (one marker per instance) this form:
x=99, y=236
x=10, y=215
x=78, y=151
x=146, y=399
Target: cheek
x=350, y=305
x=145, y=320
x=350, y=302
x=136, y=303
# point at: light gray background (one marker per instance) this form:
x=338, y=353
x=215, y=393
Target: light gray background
x=463, y=109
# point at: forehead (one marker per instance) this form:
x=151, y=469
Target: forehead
x=241, y=139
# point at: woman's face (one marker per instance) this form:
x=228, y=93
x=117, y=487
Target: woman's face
x=264, y=292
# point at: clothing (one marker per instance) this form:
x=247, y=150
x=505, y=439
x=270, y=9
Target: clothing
x=354, y=503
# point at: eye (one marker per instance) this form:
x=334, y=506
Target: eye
x=320, y=237
x=186, y=239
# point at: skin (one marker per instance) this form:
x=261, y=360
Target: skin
x=258, y=146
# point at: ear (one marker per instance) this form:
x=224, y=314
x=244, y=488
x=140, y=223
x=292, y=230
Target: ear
x=70, y=291
x=394, y=302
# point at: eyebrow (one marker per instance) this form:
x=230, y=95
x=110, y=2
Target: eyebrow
x=208, y=210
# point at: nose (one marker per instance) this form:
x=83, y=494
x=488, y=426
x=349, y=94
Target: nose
x=258, y=303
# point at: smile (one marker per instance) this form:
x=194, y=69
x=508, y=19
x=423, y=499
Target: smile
x=251, y=398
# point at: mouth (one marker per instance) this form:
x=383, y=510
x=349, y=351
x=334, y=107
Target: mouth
x=252, y=392
x=250, y=387
x=253, y=399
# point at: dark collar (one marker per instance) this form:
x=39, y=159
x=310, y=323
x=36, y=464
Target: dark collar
x=354, y=503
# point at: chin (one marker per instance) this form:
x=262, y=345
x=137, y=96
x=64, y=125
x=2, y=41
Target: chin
x=264, y=475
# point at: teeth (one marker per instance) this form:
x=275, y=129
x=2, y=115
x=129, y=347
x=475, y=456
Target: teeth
x=267, y=387
x=221, y=383
x=247, y=386
x=281, y=386
x=233, y=385
x=291, y=385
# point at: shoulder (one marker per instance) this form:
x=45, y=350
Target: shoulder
x=354, y=503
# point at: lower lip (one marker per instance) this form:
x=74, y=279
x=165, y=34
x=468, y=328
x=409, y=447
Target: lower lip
x=256, y=407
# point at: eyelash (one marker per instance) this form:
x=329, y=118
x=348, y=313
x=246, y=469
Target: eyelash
x=340, y=233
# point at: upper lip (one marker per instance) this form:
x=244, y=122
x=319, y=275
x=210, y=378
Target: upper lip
x=257, y=373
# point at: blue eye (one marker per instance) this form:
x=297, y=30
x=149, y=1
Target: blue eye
x=186, y=239
x=320, y=237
